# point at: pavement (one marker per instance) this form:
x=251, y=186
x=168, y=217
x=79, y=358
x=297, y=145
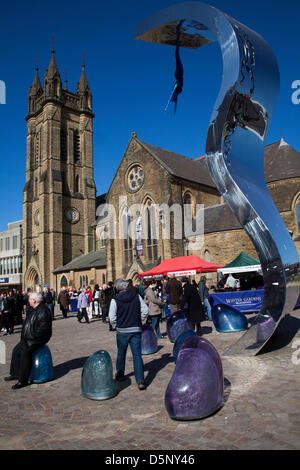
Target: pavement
x=261, y=403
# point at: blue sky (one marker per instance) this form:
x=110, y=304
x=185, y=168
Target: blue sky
x=131, y=81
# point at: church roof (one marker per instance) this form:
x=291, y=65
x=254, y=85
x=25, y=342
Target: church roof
x=219, y=218
x=182, y=167
x=93, y=259
x=281, y=162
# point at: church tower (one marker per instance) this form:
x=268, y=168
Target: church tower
x=59, y=197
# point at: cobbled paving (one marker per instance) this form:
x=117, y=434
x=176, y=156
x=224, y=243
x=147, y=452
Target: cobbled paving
x=261, y=403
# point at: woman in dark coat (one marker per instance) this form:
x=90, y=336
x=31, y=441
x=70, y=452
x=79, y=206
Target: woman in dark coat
x=64, y=301
x=192, y=305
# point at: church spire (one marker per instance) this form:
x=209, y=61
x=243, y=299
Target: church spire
x=84, y=91
x=52, y=80
x=35, y=91
x=36, y=87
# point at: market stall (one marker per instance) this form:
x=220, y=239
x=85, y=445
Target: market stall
x=243, y=263
x=181, y=266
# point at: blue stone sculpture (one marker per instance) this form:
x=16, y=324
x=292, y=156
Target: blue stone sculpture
x=148, y=341
x=179, y=342
x=97, y=377
x=227, y=319
x=265, y=328
x=236, y=138
x=42, y=366
x=177, y=324
x=196, y=389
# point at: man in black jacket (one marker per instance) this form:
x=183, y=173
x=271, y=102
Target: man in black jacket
x=36, y=331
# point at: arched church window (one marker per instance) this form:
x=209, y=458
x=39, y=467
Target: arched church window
x=63, y=281
x=37, y=150
x=127, y=237
x=76, y=143
x=76, y=189
x=63, y=144
x=151, y=231
x=102, y=240
x=208, y=259
x=35, y=187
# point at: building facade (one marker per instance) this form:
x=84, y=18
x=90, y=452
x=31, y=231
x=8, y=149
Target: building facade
x=60, y=193
x=149, y=176
x=11, y=257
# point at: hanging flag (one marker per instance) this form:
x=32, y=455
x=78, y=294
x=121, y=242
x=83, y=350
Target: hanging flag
x=178, y=72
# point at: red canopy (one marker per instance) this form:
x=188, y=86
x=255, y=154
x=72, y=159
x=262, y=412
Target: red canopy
x=182, y=266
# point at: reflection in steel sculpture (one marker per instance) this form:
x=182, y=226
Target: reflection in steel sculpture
x=235, y=146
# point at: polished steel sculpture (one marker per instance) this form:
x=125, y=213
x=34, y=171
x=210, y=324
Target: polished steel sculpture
x=235, y=145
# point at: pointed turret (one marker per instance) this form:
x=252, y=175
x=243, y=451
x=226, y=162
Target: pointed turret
x=52, y=80
x=36, y=87
x=35, y=91
x=84, y=91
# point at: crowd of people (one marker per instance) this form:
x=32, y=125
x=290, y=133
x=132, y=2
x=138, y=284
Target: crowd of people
x=123, y=305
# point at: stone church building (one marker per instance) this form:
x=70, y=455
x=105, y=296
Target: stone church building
x=73, y=237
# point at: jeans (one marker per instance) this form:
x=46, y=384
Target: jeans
x=134, y=340
x=51, y=308
x=208, y=308
x=155, y=325
x=104, y=314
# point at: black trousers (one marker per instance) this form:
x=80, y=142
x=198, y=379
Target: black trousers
x=7, y=321
x=21, y=361
x=82, y=314
x=198, y=327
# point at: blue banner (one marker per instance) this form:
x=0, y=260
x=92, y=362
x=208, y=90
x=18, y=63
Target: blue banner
x=244, y=301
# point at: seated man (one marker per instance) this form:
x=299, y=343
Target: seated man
x=36, y=331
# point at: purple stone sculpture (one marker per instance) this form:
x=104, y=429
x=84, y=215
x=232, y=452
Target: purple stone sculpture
x=149, y=340
x=177, y=324
x=265, y=328
x=196, y=389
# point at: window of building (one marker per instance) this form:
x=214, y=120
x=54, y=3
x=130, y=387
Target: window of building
x=37, y=151
x=20, y=267
x=127, y=238
x=64, y=281
x=7, y=243
x=1, y=244
x=76, y=188
x=35, y=187
x=15, y=242
x=63, y=144
x=76, y=145
x=151, y=231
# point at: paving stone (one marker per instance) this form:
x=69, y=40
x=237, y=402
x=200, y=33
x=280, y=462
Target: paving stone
x=261, y=409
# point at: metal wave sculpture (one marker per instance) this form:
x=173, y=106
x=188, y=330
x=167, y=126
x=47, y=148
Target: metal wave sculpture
x=235, y=146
